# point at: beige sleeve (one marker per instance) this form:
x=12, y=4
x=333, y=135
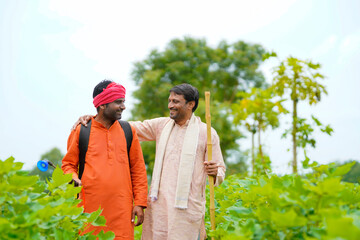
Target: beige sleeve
x=147, y=130
x=217, y=157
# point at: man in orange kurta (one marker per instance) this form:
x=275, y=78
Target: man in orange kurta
x=108, y=181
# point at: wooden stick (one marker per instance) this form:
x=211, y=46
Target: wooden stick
x=209, y=151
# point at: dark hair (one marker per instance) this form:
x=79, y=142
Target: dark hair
x=189, y=92
x=100, y=87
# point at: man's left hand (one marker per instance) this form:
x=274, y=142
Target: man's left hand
x=139, y=212
x=211, y=168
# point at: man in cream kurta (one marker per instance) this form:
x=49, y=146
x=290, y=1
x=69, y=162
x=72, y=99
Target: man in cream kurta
x=163, y=220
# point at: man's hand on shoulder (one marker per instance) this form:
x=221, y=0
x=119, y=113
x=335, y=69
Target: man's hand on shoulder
x=139, y=212
x=82, y=120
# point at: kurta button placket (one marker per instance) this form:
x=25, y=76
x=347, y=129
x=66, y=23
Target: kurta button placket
x=109, y=148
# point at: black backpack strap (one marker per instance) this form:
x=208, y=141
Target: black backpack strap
x=84, y=142
x=128, y=135
x=83, y=146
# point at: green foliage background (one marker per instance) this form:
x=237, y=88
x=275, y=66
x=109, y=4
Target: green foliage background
x=353, y=175
x=316, y=206
x=224, y=70
x=34, y=209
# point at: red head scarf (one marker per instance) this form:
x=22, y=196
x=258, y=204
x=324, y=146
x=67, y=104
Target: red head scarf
x=112, y=92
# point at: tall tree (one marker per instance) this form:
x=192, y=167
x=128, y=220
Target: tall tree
x=257, y=110
x=224, y=70
x=55, y=156
x=300, y=80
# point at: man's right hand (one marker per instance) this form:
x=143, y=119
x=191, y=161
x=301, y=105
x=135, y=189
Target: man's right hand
x=77, y=182
x=83, y=120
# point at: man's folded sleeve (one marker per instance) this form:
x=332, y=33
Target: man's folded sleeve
x=70, y=162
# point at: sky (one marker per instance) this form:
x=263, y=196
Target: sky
x=53, y=53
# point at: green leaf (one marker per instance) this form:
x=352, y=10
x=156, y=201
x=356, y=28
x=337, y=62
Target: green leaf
x=100, y=221
x=58, y=234
x=342, y=228
x=344, y=169
x=318, y=123
x=22, y=181
x=306, y=164
x=268, y=55
x=94, y=215
x=330, y=186
x=74, y=211
x=239, y=211
x=8, y=165
x=287, y=219
x=327, y=130
x=106, y=236
x=58, y=177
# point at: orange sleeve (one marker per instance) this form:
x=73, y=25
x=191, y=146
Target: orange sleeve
x=70, y=161
x=138, y=172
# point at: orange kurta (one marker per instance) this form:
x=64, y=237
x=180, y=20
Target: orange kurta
x=106, y=180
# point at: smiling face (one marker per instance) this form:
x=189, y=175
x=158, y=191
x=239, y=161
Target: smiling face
x=180, y=110
x=112, y=111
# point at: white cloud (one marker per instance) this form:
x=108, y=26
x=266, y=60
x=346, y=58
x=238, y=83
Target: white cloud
x=325, y=47
x=349, y=47
x=117, y=33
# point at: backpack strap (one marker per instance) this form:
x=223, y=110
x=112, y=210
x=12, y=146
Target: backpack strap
x=83, y=146
x=128, y=135
x=84, y=142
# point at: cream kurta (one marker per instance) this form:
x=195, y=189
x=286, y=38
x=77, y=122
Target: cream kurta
x=162, y=220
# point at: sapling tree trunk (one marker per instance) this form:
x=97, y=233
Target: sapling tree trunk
x=293, y=133
x=301, y=79
x=260, y=146
x=253, y=151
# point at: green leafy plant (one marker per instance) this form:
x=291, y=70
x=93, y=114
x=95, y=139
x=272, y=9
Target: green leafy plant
x=138, y=232
x=34, y=209
x=317, y=205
